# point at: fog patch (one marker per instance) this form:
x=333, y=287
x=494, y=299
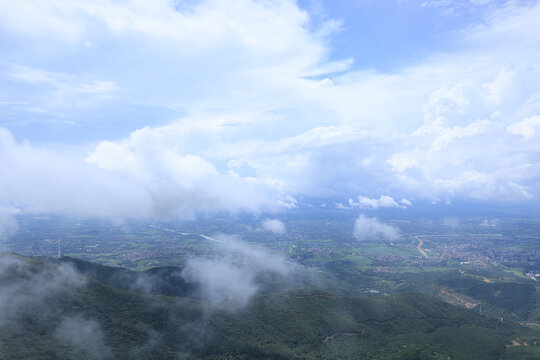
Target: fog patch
x=372, y=229
x=275, y=226
x=24, y=283
x=164, y=280
x=8, y=223
x=451, y=221
x=229, y=279
x=489, y=222
x=84, y=336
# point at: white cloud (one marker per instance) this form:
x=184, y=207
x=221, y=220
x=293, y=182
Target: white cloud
x=64, y=90
x=157, y=54
x=230, y=278
x=129, y=181
x=8, y=222
x=372, y=229
x=489, y=222
x=275, y=226
x=256, y=130
x=84, y=335
x=406, y=202
x=445, y=139
x=526, y=127
x=383, y=201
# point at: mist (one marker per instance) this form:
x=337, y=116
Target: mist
x=372, y=229
x=229, y=279
x=451, y=221
x=32, y=286
x=8, y=223
x=275, y=226
x=85, y=336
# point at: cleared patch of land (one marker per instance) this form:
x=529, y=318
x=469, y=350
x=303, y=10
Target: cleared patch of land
x=455, y=298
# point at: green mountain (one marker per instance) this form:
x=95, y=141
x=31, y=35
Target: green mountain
x=71, y=309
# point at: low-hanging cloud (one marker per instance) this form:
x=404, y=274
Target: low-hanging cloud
x=33, y=285
x=28, y=284
x=8, y=223
x=275, y=226
x=372, y=229
x=85, y=337
x=136, y=183
x=229, y=279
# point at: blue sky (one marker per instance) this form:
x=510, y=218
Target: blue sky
x=385, y=35
x=143, y=109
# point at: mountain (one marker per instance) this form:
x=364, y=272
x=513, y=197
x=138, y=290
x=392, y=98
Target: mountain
x=71, y=309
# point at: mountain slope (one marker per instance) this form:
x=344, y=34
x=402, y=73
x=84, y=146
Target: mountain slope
x=67, y=309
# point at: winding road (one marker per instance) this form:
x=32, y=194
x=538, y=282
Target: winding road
x=419, y=246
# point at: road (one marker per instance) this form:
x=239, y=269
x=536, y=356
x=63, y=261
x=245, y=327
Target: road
x=419, y=246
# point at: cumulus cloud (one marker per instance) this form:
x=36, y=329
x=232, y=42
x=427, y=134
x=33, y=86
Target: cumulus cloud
x=449, y=137
x=229, y=279
x=275, y=226
x=84, y=336
x=136, y=181
x=383, y=201
x=257, y=44
x=440, y=128
x=526, y=127
x=372, y=229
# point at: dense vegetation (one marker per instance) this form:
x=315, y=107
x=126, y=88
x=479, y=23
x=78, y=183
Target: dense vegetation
x=109, y=313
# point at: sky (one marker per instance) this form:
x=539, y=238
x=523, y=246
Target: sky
x=143, y=109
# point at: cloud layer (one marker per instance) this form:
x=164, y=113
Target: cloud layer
x=157, y=182
x=149, y=109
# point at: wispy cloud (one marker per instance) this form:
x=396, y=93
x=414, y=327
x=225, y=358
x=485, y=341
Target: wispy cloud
x=64, y=90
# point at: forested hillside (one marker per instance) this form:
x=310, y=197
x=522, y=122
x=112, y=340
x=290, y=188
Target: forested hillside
x=71, y=309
